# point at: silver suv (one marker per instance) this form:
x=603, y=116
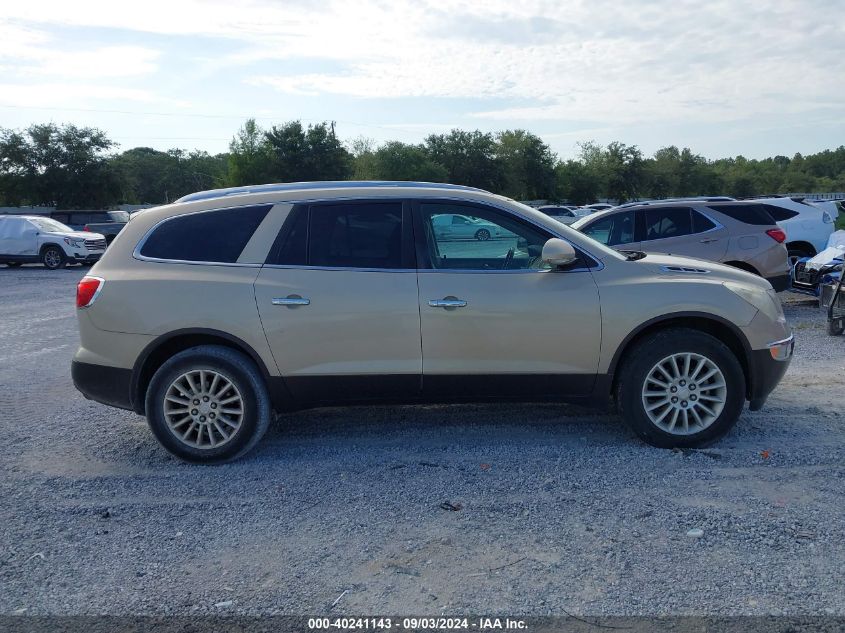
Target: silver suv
x=212, y=313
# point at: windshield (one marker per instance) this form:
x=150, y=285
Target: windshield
x=49, y=225
x=595, y=247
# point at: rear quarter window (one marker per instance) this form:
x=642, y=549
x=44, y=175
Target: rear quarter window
x=757, y=214
x=780, y=214
x=208, y=236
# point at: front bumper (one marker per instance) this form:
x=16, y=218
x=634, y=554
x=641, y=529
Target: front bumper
x=103, y=384
x=86, y=258
x=766, y=368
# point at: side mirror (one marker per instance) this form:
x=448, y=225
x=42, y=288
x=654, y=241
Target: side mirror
x=557, y=253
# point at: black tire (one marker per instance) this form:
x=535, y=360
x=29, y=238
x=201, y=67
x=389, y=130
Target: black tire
x=53, y=258
x=794, y=253
x=13, y=264
x=482, y=235
x=235, y=367
x=637, y=366
x=835, y=327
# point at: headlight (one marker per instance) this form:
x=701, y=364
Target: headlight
x=766, y=301
x=75, y=243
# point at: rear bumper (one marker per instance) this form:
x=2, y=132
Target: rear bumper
x=766, y=371
x=107, y=385
x=779, y=283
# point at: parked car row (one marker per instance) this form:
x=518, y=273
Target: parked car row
x=34, y=238
x=740, y=234
x=58, y=238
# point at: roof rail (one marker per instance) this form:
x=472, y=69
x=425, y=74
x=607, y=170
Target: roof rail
x=333, y=184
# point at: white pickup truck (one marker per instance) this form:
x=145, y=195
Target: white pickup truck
x=31, y=239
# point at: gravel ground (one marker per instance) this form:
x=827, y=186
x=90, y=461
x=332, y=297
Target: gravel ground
x=561, y=509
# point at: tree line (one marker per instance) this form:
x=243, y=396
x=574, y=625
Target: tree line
x=78, y=167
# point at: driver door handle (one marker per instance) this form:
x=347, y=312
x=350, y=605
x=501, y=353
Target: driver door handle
x=712, y=239
x=448, y=302
x=292, y=300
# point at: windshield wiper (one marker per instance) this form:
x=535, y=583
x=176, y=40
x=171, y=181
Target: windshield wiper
x=633, y=256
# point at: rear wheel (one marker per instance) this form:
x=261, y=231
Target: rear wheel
x=208, y=404
x=795, y=253
x=482, y=235
x=13, y=264
x=53, y=257
x=681, y=387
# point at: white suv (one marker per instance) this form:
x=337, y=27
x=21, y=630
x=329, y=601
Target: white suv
x=807, y=226
x=33, y=238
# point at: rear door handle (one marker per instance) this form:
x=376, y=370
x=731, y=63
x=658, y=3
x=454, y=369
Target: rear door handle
x=291, y=300
x=448, y=302
x=707, y=241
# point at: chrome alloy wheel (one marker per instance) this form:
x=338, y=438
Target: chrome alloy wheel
x=684, y=393
x=52, y=258
x=203, y=409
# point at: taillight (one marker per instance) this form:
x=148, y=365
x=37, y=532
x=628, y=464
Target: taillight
x=87, y=291
x=777, y=235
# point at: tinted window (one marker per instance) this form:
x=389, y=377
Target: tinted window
x=701, y=223
x=759, y=214
x=463, y=237
x=209, y=236
x=612, y=230
x=291, y=246
x=779, y=213
x=666, y=222
x=356, y=235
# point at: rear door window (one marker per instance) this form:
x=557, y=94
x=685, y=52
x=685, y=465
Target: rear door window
x=701, y=223
x=209, y=236
x=665, y=222
x=350, y=235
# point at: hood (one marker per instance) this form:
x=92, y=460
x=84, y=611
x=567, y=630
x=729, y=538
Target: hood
x=678, y=266
x=79, y=235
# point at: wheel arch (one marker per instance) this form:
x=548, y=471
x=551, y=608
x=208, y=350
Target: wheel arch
x=716, y=326
x=156, y=353
x=47, y=245
x=744, y=266
x=802, y=246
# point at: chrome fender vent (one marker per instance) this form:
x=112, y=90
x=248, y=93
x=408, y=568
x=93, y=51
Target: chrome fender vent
x=684, y=270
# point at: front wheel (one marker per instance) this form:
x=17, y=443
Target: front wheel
x=482, y=235
x=681, y=388
x=208, y=404
x=53, y=258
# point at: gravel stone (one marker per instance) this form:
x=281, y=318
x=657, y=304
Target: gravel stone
x=574, y=514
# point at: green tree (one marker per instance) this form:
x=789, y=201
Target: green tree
x=300, y=154
x=528, y=166
x=64, y=166
x=469, y=158
x=400, y=161
x=249, y=156
x=625, y=171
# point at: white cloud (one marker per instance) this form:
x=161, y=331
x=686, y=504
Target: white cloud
x=598, y=61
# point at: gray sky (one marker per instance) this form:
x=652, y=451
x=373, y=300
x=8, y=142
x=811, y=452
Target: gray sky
x=723, y=77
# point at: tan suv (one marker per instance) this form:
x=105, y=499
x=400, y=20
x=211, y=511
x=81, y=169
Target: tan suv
x=738, y=233
x=209, y=314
